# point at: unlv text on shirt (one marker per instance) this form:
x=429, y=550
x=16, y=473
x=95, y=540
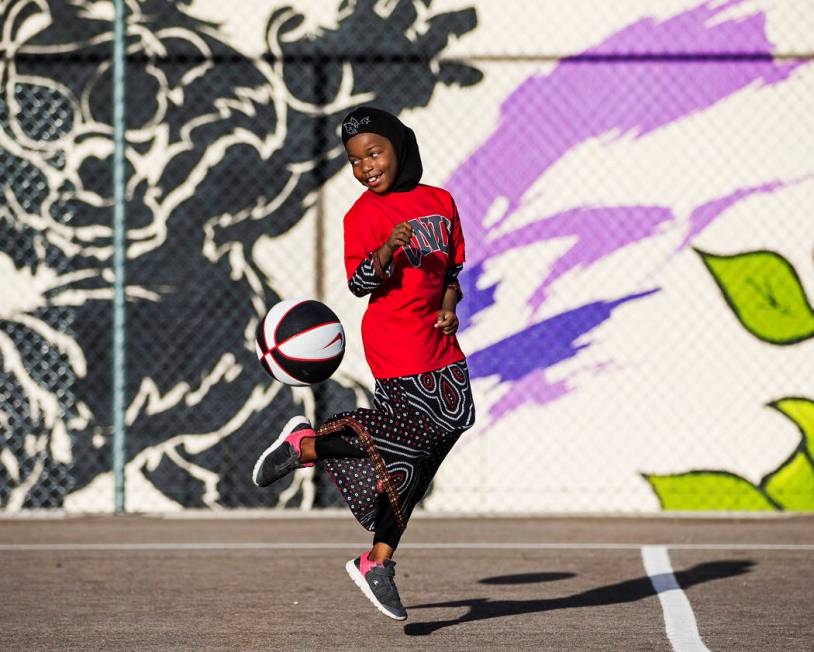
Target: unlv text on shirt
x=430, y=233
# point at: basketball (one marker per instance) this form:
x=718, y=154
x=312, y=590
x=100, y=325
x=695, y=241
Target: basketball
x=300, y=342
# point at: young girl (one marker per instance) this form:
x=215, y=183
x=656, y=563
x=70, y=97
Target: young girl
x=403, y=246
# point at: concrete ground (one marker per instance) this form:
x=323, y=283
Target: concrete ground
x=571, y=583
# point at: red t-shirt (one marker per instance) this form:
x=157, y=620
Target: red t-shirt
x=397, y=328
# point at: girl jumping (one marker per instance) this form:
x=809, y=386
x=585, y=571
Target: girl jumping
x=404, y=247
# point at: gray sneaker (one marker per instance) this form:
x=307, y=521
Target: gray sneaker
x=283, y=456
x=376, y=581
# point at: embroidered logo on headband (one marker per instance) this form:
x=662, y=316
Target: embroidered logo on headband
x=352, y=126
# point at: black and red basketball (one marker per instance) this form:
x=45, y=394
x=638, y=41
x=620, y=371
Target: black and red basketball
x=300, y=342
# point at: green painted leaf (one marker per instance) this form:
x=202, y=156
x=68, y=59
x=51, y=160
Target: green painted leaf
x=708, y=490
x=801, y=411
x=792, y=485
x=764, y=291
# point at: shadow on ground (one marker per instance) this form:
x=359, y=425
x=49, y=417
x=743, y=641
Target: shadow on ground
x=621, y=592
x=526, y=578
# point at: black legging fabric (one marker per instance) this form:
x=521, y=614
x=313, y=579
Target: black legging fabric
x=334, y=446
x=331, y=446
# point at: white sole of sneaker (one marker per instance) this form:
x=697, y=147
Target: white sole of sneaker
x=285, y=432
x=360, y=581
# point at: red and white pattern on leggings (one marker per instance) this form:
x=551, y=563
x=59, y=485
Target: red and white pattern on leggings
x=414, y=423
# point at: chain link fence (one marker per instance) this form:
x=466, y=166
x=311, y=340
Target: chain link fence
x=591, y=163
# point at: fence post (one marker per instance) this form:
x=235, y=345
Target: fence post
x=119, y=255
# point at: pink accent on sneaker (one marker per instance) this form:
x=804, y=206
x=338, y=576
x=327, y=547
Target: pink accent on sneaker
x=295, y=439
x=365, y=564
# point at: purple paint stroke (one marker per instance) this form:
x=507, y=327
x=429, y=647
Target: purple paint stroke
x=706, y=213
x=550, y=114
x=545, y=343
x=476, y=298
x=599, y=231
x=585, y=97
x=535, y=388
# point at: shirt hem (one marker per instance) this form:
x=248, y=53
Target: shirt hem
x=431, y=367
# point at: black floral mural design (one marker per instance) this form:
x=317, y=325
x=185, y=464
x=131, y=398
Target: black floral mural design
x=222, y=151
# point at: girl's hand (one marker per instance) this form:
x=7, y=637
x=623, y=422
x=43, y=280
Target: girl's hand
x=447, y=321
x=400, y=237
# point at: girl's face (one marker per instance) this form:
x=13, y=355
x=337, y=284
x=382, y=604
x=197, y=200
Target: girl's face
x=373, y=161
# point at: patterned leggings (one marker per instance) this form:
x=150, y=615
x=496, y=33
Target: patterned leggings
x=332, y=447
x=383, y=459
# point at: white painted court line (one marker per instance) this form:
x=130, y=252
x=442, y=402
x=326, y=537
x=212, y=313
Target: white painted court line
x=679, y=619
x=409, y=546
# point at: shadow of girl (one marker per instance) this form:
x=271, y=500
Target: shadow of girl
x=618, y=593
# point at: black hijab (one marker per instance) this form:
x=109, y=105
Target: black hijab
x=366, y=119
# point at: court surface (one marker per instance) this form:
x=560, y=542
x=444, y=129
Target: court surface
x=265, y=582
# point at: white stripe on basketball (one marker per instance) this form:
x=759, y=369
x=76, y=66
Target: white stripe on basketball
x=281, y=375
x=275, y=316
x=279, y=320
x=310, y=328
x=315, y=344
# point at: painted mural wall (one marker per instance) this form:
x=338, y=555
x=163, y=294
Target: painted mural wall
x=635, y=186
